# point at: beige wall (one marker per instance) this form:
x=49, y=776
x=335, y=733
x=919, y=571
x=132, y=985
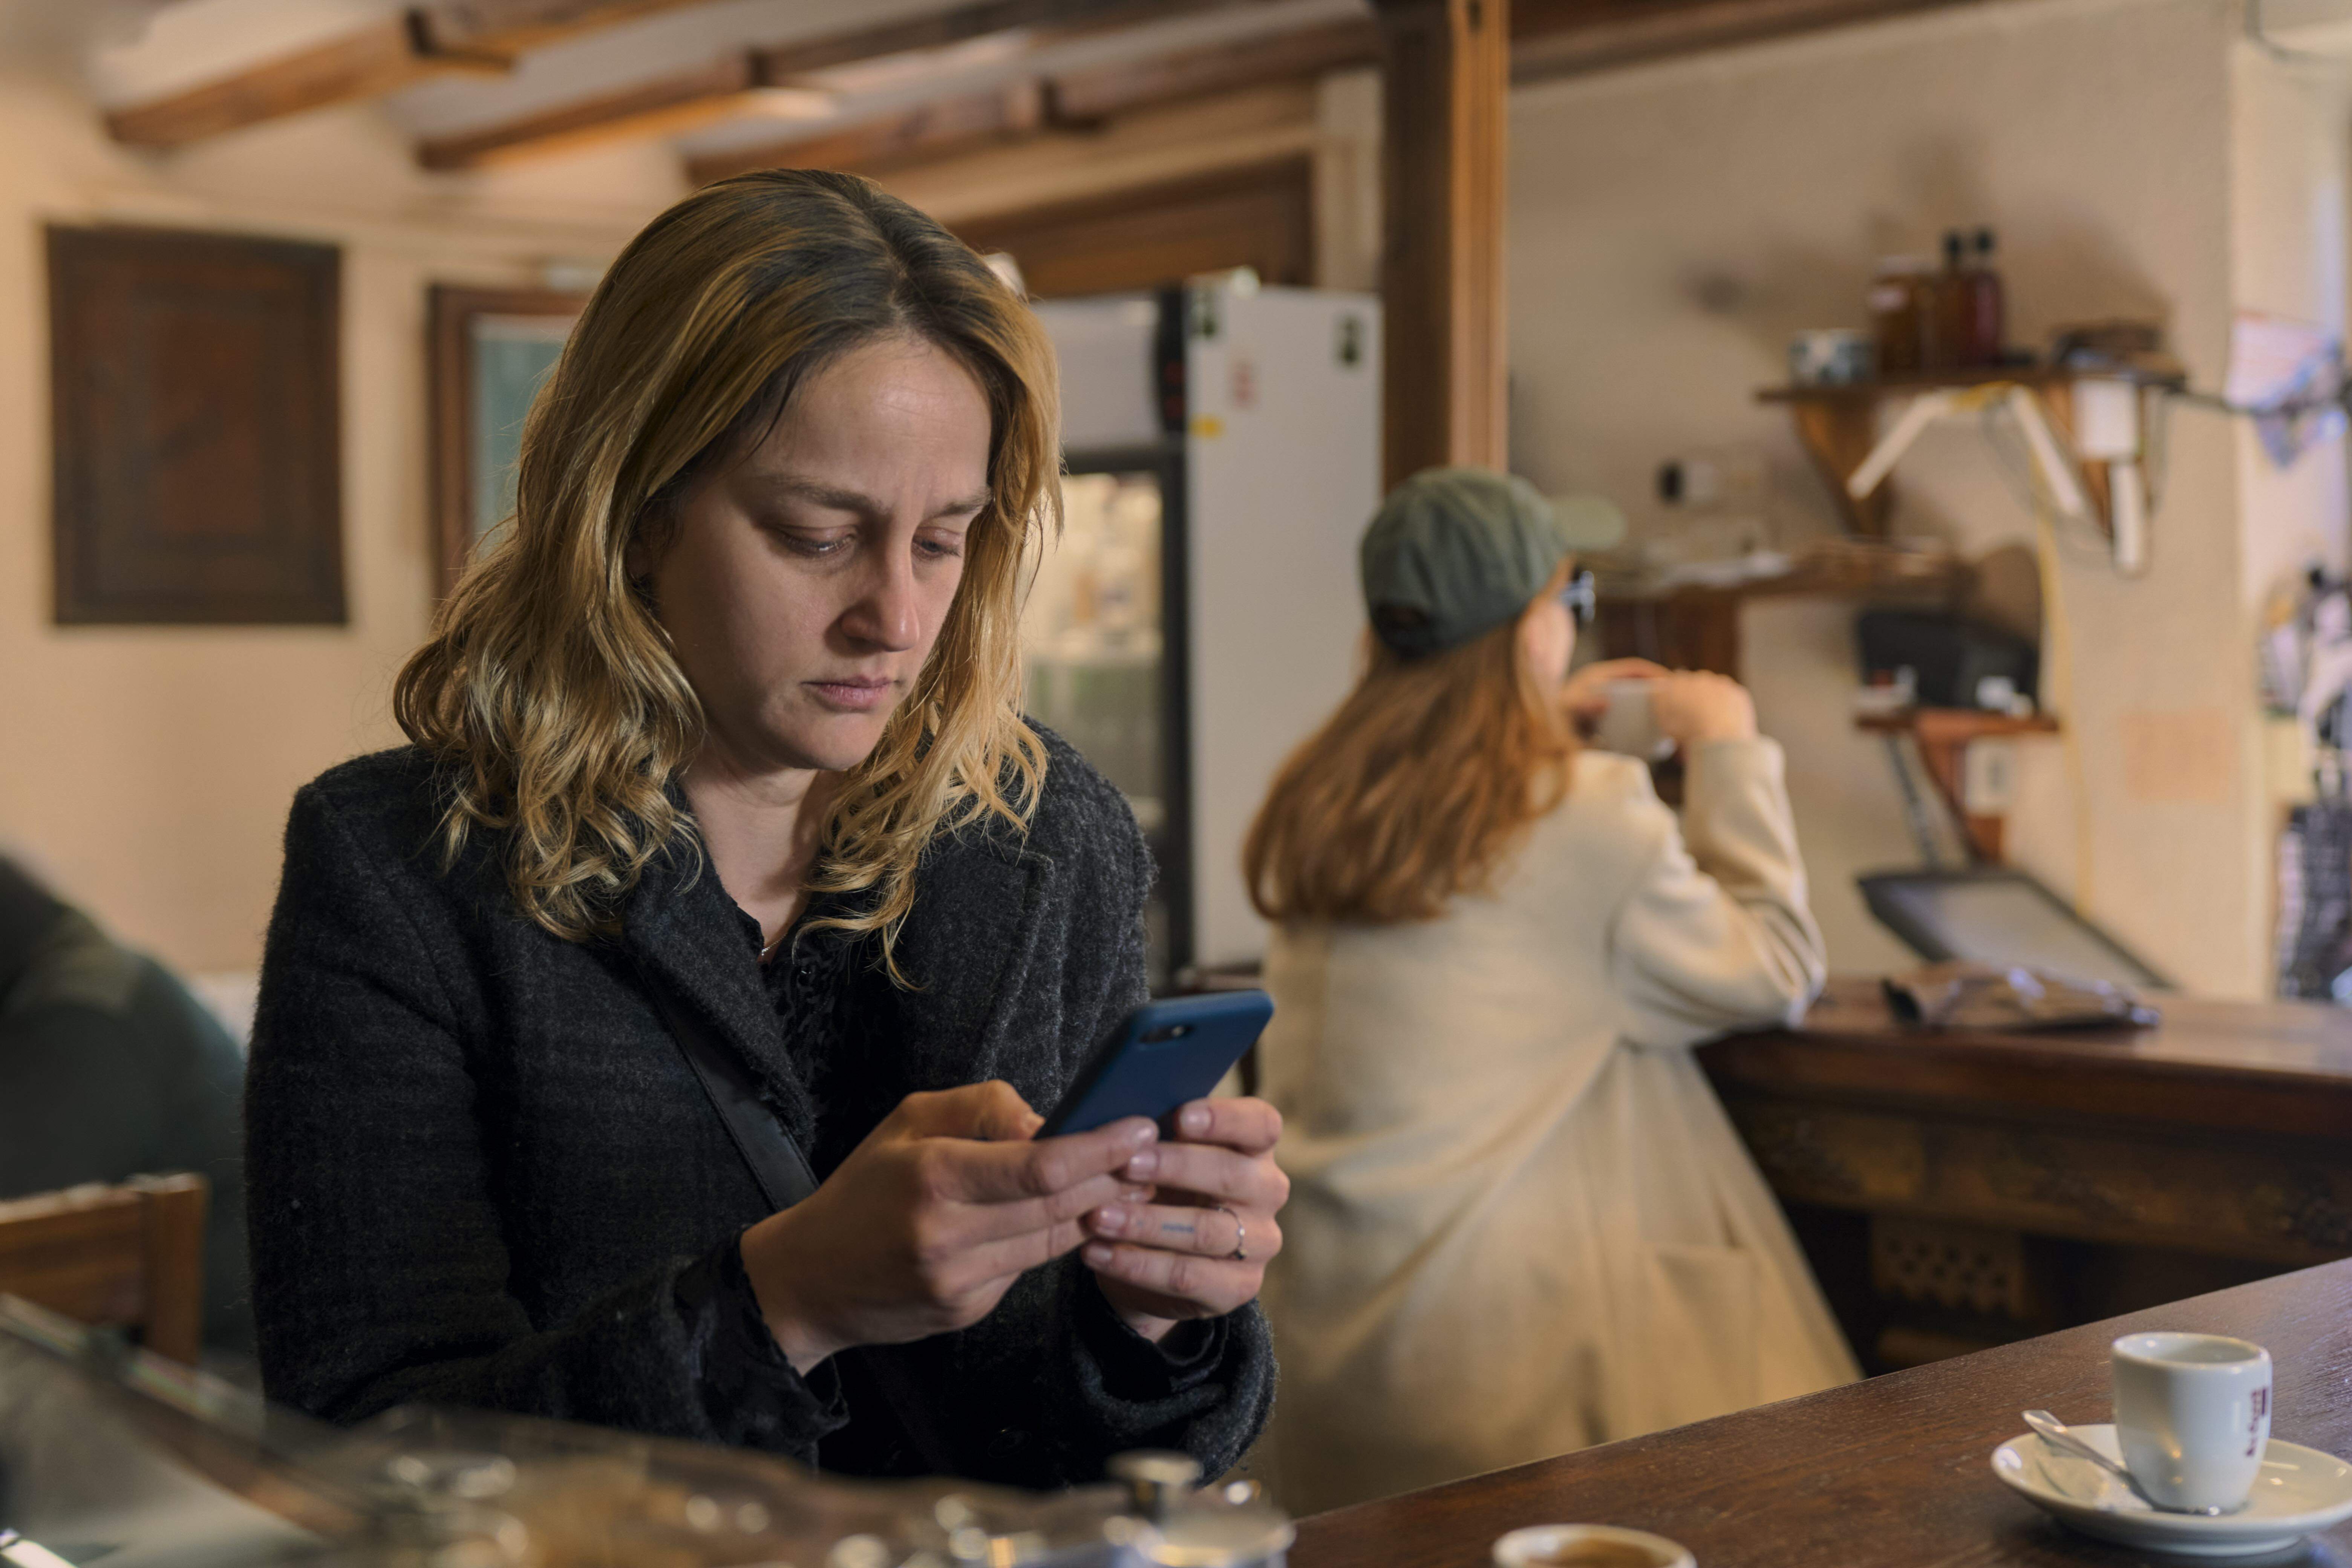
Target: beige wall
x=147, y=770
x=1672, y=225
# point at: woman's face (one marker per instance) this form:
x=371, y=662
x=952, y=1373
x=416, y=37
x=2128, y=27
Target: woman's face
x=1547, y=637
x=804, y=583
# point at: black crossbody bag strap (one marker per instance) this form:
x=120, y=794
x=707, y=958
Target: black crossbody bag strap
x=776, y=1160
x=784, y=1177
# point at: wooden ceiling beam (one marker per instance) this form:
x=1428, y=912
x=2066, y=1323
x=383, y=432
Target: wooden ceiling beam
x=1077, y=102
x=510, y=26
x=1052, y=21
x=1079, y=97
x=948, y=128
x=376, y=59
x=671, y=104
x=665, y=106
x=470, y=37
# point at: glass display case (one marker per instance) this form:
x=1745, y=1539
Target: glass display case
x=1102, y=649
x=114, y=1456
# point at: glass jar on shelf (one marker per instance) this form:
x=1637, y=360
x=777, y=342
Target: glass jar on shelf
x=1902, y=302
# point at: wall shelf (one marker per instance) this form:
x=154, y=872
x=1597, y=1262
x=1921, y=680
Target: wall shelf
x=1838, y=426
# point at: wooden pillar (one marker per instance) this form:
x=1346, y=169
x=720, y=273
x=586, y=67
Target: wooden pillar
x=1447, y=66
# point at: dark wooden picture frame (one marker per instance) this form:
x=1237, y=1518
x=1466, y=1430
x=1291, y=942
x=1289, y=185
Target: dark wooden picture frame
x=196, y=427
x=459, y=315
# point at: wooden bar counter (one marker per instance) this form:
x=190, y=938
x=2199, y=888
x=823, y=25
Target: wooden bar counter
x=1892, y=1473
x=1957, y=1190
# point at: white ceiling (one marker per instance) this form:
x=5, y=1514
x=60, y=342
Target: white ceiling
x=142, y=49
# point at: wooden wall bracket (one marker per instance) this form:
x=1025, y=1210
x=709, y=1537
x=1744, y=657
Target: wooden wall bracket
x=1838, y=427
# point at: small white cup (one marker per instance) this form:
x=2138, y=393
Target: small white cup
x=1588, y=1546
x=1628, y=726
x=2192, y=1416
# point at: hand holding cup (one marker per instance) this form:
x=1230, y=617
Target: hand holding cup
x=1642, y=710
x=1693, y=706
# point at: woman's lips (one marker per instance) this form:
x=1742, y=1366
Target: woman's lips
x=853, y=696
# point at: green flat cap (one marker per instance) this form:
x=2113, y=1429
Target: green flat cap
x=1455, y=553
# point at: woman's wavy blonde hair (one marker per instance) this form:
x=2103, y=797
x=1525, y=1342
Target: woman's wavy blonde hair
x=548, y=692
x=1417, y=789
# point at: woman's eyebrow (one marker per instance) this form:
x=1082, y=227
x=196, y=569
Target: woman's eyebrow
x=825, y=495
x=841, y=500
x=968, y=506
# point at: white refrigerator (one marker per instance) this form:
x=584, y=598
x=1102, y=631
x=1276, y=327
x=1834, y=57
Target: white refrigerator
x=1201, y=615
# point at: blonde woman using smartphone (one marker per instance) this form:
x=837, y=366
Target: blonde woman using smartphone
x=1519, y=1223
x=721, y=848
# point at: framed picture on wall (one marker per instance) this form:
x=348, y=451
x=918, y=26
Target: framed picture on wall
x=196, y=426
x=491, y=350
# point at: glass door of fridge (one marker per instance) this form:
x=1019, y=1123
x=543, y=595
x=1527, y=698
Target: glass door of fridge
x=1101, y=637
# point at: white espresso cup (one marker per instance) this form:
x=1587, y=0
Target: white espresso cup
x=2192, y=1416
x=1627, y=725
x=1588, y=1546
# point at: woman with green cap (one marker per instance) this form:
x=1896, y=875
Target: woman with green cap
x=1519, y=1221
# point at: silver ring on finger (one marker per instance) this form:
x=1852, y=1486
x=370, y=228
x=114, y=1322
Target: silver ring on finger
x=1240, y=1254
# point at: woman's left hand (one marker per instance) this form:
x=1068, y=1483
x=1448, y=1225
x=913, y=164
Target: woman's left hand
x=1200, y=1246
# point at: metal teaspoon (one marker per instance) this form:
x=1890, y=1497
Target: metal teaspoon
x=2058, y=1435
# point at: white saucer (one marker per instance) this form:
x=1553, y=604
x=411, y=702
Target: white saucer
x=2299, y=1490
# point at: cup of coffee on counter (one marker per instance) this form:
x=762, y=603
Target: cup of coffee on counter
x=1628, y=726
x=2192, y=1416
x=1588, y=1546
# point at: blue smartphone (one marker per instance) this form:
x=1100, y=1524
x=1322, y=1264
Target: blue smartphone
x=1164, y=1056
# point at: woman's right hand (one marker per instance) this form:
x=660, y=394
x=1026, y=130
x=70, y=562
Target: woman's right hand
x=927, y=1223
x=1692, y=706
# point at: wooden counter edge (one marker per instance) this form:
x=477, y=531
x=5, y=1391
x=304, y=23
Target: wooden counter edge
x=2100, y=1075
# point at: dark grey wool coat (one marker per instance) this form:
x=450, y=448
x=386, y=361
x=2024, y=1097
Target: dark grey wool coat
x=480, y=1173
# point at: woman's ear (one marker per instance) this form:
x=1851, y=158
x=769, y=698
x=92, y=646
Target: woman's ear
x=1547, y=640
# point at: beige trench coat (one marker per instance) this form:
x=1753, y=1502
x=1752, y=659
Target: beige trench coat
x=1520, y=1223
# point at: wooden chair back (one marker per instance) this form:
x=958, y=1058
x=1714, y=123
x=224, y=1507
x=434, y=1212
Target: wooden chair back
x=120, y=1256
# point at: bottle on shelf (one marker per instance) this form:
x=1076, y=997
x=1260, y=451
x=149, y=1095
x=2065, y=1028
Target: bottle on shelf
x=1986, y=305
x=1943, y=319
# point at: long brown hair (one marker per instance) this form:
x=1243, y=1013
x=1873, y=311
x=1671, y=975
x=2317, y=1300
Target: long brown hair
x=548, y=690
x=1416, y=790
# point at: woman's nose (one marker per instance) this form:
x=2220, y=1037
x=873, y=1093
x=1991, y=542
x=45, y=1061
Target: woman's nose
x=887, y=616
